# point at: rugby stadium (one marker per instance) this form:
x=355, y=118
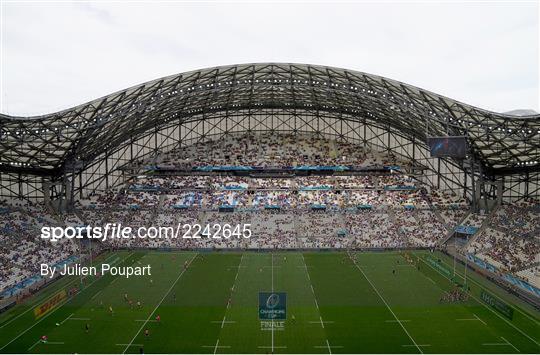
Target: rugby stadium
x=270, y=208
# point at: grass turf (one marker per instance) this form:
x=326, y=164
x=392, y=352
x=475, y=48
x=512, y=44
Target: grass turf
x=338, y=307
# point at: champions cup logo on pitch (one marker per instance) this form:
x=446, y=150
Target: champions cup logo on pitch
x=272, y=305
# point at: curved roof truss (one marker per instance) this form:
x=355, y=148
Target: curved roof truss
x=46, y=145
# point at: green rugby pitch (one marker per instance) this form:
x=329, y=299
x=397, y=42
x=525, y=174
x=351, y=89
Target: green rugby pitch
x=333, y=306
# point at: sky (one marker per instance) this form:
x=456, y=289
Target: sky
x=56, y=54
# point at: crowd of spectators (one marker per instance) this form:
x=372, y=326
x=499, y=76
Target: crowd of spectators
x=392, y=219
x=505, y=251
x=511, y=242
x=531, y=275
x=426, y=229
x=475, y=220
x=447, y=200
x=22, y=251
x=522, y=218
x=373, y=229
x=381, y=209
x=452, y=216
x=222, y=190
x=272, y=150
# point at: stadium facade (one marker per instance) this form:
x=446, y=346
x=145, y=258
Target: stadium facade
x=91, y=147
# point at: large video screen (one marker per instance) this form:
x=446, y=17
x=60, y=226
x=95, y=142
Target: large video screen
x=455, y=147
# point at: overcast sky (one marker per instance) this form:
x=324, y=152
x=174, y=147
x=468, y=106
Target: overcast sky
x=57, y=55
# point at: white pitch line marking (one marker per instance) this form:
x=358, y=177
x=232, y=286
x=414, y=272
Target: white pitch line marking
x=471, y=319
x=313, y=291
x=224, y=318
x=97, y=293
x=516, y=349
x=497, y=296
x=38, y=302
x=224, y=321
x=397, y=320
x=60, y=305
x=220, y=321
x=213, y=346
x=129, y=345
x=407, y=345
x=319, y=322
x=272, y=291
x=62, y=322
x=146, y=320
x=217, y=342
x=36, y=343
x=390, y=309
x=486, y=306
x=328, y=344
x=322, y=323
x=46, y=343
x=272, y=347
x=429, y=278
x=479, y=319
x=160, y=302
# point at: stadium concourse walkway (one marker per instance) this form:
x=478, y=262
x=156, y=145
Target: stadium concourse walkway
x=336, y=303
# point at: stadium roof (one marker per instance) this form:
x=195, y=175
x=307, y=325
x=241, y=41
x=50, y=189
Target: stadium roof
x=503, y=143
